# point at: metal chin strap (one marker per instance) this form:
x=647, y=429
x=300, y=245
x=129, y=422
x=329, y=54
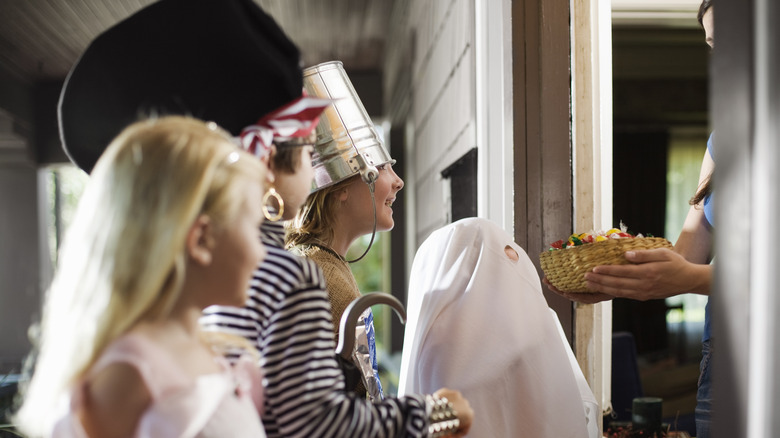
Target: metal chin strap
x=369, y=174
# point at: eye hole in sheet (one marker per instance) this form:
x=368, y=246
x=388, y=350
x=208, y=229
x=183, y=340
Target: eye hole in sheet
x=511, y=253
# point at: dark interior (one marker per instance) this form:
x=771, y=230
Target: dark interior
x=660, y=80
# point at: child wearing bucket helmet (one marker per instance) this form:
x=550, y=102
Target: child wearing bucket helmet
x=354, y=190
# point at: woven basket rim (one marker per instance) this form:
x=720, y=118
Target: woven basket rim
x=565, y=268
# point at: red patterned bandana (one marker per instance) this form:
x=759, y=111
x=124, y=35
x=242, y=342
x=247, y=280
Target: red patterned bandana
x=296, y=119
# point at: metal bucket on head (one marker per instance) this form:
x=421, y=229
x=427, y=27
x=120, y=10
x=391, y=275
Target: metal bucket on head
x=347, y=141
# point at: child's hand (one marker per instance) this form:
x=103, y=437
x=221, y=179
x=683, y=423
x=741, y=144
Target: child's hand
x=462, y=408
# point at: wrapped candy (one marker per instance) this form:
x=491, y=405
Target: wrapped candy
x=578, y=239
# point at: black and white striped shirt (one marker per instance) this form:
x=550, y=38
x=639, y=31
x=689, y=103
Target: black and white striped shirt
x=287, y=317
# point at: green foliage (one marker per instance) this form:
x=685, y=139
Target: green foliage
x=369, y=271
x=371, y=274
x=64, y=186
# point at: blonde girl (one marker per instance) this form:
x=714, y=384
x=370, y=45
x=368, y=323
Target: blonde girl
x=166, y=227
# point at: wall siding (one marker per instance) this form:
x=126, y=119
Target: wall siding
x=437, y=42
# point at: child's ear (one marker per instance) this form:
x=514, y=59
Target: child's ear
x=200, y=240
x=268, y=160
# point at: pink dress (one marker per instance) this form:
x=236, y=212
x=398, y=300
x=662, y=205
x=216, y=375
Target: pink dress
x=224, y=404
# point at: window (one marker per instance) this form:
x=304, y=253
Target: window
x=64, y=185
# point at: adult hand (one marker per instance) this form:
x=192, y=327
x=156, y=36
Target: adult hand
x=462, y=408
x=579, y=297
x=652, y=274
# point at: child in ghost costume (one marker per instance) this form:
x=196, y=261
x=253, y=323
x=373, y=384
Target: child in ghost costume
x=477, y=321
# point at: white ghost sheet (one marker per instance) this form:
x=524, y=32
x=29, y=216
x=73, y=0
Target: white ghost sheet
x=477, y=321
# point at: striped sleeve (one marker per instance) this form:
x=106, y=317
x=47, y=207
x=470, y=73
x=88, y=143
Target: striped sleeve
x=287, y=316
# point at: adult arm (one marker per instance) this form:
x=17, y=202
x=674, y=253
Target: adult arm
x=652, y=274
x=659, y=273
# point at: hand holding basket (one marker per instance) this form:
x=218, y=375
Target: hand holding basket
x=565, y=268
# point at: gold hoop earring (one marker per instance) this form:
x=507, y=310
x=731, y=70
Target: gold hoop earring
x=266, y=211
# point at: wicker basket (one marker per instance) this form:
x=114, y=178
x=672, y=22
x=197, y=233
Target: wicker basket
x=566, y=268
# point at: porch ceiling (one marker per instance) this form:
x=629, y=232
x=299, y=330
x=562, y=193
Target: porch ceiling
x=41, y=39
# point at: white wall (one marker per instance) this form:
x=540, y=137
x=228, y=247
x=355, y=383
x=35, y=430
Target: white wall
x=433, y=78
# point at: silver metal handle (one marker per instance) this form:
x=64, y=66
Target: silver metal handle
x=353, y=311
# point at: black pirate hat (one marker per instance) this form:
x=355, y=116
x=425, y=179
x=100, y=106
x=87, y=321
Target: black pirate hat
x=225, y=61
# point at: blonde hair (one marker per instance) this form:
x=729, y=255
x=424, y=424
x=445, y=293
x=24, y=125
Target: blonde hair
x=123, y=259
x=314, y=221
